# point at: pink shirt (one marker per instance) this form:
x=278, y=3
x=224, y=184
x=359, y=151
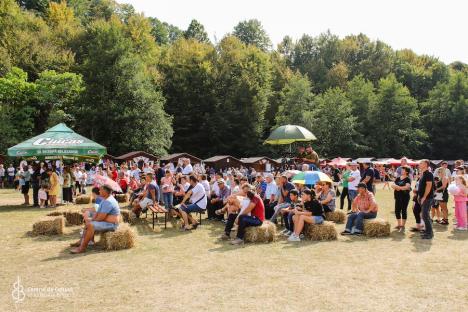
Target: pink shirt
x=167, y=181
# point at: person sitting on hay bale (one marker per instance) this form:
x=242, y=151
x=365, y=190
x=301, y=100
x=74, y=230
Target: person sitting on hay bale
x=364, y=207
x=106, y=219
x=232, y=208
x=284, y=201
x=88, y=213
x=150, y=196
x=198, y=201
x=312, y=214
x=253, y=215
x=288, y=213
x=327, y=197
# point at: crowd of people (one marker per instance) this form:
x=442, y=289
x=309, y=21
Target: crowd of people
x=241, y=197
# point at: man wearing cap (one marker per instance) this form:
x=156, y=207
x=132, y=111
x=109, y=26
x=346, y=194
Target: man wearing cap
x=353, y=180
x=270, y=199
x=364, y=207
x=219, y=201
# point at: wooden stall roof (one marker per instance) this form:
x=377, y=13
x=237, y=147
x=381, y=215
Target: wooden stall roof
x=174, y=157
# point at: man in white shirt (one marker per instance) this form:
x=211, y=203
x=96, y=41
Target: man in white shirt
x=135, y=172
x=353, y=180
x=198, y=204
x=187, y=169
x=11, y=175
x=270, y=199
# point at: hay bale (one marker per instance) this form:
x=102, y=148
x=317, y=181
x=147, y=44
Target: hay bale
x=82, y=199
x=318, y=232
x=376, y=227
x=55, y=213
x=51, y=225
x=337, y=216
x=264, y=233
x=123, y=238
x=73, y=218
x=121, y=198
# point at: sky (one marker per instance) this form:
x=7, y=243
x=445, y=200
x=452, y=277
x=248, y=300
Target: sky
x=436, y=28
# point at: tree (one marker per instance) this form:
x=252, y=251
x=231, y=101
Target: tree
x=393, y=121
x=445, y=115
x=361, y=93
x=295, y=99
x=251, y=32
x=189, y=87
x=419, y=73
x=243, y=87
x=16, y=111
x=196, y=31
x=332, y=123
x=56, y=96
x=120, y=91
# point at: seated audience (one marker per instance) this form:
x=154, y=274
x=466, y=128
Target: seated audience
x=364, y=207
x=198, y=204
x=253, y=215
x=312, y=213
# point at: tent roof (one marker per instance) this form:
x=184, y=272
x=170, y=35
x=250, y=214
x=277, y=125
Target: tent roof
x=251, y=160
x=179, y=155
x=220, y=157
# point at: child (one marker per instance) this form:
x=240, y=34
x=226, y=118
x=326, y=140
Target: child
x=460, y=203
x=42, y=195
x=435, y=209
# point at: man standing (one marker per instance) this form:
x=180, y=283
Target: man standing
x=368, y=177
x=425, y=196
x=36, y=183
x=11, y=175
x=187, y=169
x=353, y=180
x=2, y=175
x=270, y=200
x=311, y=158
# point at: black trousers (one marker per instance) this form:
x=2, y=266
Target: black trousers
x=269, y=208
x=230, y=223
x=35, y=187
x=345, y=194
x=417, y=212
x=401, y=206
x=212, y=208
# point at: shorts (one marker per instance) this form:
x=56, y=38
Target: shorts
x=102, y=226
x=25, y=188
x=145, y=202
x=192, y=208
x=318, y=219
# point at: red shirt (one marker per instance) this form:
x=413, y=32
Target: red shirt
x=259, y=209
x=115, y=175
x=123, y=185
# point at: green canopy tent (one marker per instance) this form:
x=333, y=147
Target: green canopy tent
x=59, y=142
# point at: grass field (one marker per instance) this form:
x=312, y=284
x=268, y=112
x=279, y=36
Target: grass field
x=175, y=271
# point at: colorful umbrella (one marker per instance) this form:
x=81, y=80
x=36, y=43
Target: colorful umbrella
x=100, y=180
x=291, y=173
x=310, y=177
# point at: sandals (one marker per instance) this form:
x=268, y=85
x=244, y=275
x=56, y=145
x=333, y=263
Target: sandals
x=443, y=222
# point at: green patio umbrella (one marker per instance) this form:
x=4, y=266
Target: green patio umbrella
x=289, y=134
x=59, y=142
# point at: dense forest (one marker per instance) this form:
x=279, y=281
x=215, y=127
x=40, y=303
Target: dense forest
x=132, y=82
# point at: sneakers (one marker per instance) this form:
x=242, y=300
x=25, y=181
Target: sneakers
x=287, y=233
x=284, y=231
x=293, y=238
x=237, y=241
x=346, y=233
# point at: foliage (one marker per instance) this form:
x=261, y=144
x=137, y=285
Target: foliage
x=252, y=32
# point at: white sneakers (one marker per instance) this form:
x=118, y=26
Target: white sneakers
x=294, y=238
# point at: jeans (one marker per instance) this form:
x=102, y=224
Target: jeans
x=277, y=210
x=288, y=221
x=417, y=212
x=355, y=223
x=230, y=223
x=352, y=195
x=426, y=209
x=168, y=199
x=345, y=194
x=246, y=221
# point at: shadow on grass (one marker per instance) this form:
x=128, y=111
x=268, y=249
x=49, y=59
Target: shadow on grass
x=73, y=232
x=458, y=235
x=65, y=254
x=421, y=245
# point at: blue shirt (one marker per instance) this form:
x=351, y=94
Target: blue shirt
x=288, y=187
x=99, y=200
x=109, y=206
x=152, y=186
